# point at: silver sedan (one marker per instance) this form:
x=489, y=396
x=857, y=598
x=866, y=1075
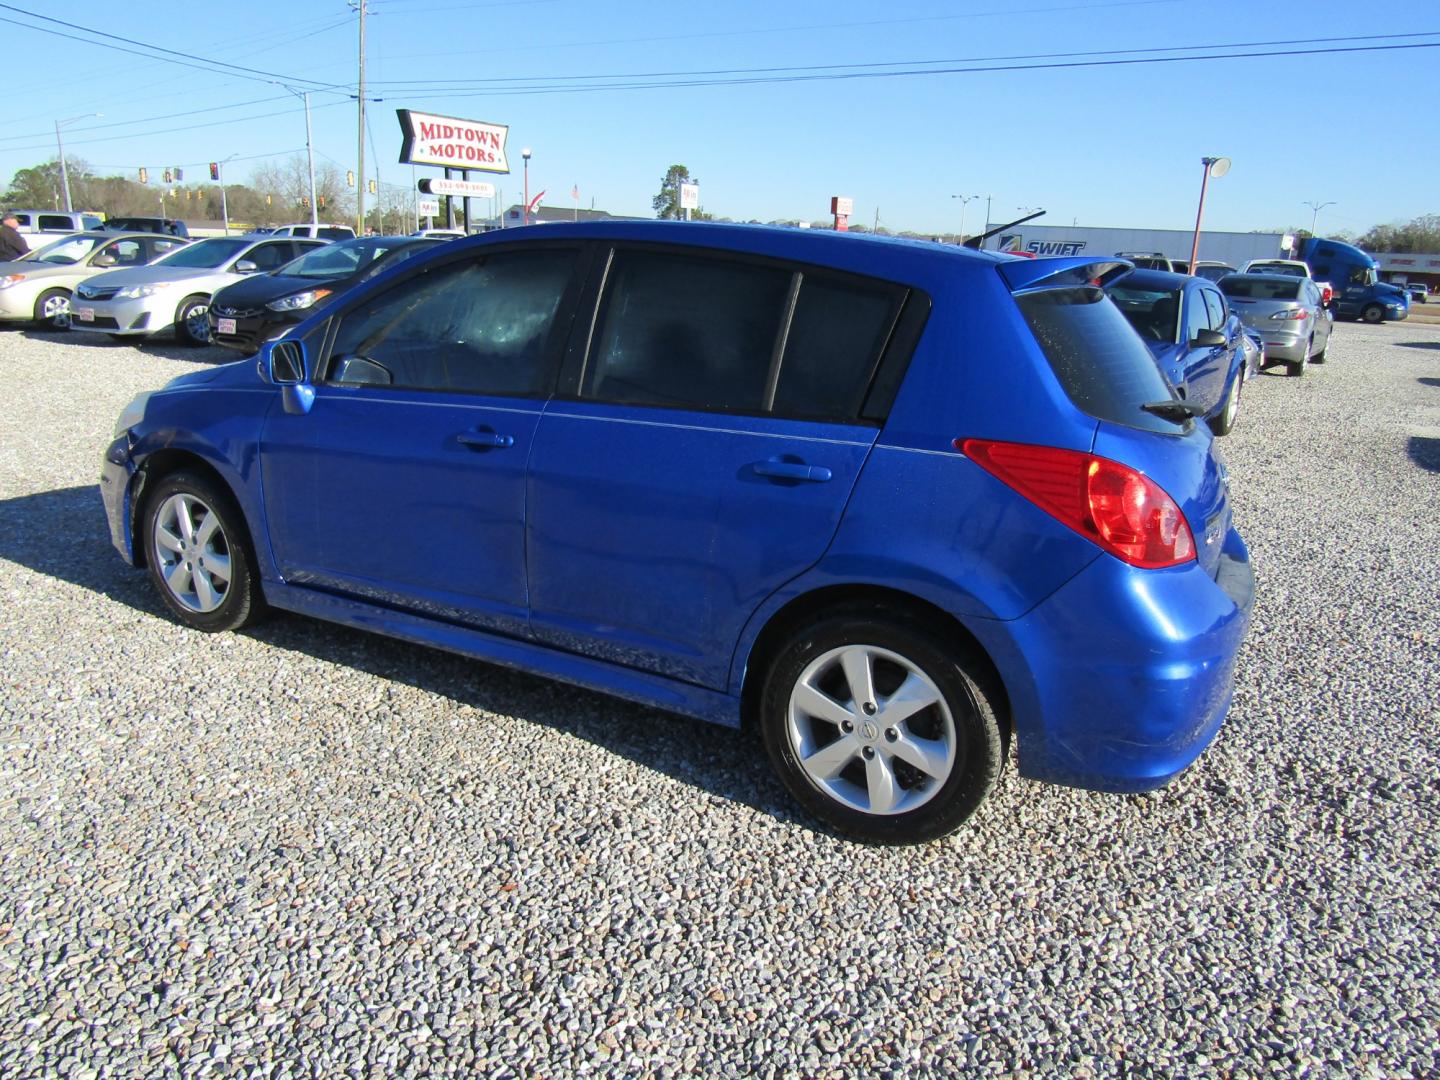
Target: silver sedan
x=1286, y=312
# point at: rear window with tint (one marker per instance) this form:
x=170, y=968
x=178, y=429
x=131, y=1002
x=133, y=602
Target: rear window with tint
x=1099, y=359
x=1261, y=288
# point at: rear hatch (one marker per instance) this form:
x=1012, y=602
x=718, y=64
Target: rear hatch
x=1108, y=373
x=1258, y=298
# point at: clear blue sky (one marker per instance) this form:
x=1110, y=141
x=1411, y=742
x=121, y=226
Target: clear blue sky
x=1110, y=145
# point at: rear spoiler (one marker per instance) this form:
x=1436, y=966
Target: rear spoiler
x=1068, y=272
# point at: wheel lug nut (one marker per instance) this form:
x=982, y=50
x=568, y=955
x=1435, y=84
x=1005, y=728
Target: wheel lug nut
x=891, y=734
x=869, y=708
x=847, y=727
x=869, y=752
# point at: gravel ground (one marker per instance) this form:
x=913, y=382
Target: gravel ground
x=304, y=851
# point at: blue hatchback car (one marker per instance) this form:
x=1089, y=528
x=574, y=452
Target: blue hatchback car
x=892, y=504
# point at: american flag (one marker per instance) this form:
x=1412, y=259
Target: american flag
x=575, y=192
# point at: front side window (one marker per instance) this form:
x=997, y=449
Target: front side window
x=1216, y=308
x=126, y=252
x=1197, y=317
x=269, y=256
x=686, y=331
x=480, y=326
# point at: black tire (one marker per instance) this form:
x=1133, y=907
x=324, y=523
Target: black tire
x=1224, y=422
x=1319, y=357
x=959, y=725
x=1296, y=368
x=52, y=309
x=204, y=600
x=192, y=324
x=1372, y=313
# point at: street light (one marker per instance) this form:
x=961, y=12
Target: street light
x=964, y=199
x=60, y=147
x=525, y=210
x=1316, y=208
x=1216, y=167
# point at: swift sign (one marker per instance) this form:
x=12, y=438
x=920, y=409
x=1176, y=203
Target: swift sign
x=453, y=143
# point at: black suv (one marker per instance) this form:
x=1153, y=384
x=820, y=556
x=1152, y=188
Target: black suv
x=164, y=226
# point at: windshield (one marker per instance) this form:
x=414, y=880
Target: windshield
x=342, y=259
x=1261, y=287
x=1153, y=312
x=68, y=251
x=205, y=255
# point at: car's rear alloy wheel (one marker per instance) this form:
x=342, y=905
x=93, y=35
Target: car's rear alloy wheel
x=1225, y=422
x=192, y=321
x=197, y=555
x=879, y=732
x=52, y=309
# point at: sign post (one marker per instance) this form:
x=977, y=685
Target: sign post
x=457, y=146
x=842, y=207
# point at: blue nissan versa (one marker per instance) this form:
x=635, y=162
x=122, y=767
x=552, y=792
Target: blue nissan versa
x=892, y=503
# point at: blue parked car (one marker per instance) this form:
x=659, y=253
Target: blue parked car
x=1197, y=340
x=892, y=504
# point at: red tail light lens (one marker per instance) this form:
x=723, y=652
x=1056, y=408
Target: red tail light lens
x=1291, y=314
x=1122, y=510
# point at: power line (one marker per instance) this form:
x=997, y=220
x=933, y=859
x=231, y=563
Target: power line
x=201, y=63
x=457, y=84
x=143, y=120
x=849, y=75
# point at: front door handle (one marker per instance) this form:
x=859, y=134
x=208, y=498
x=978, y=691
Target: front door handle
x=484, y=440
x=792, y=470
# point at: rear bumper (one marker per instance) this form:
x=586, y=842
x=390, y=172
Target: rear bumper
x=1122, y=678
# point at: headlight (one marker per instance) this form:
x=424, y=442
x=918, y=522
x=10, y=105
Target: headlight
x=11, y=279
x=135, y=292
x=299, y=301
x=132, y=414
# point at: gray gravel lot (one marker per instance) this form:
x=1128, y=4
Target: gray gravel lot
x=304, y=851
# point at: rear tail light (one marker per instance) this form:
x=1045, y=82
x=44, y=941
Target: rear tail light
x=1122, y=510
x=1292, y=315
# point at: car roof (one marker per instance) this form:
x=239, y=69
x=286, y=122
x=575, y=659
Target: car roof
x=115, y=234
x=858, y=252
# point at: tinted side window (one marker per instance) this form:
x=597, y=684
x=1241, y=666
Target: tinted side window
x=335, y=234
x=56, y=223
x=480, y=326
x=1197, y=317
x=836, y=337
x=686, y=330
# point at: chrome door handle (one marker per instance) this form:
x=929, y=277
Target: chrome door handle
x=791, y=470
x=484, y=440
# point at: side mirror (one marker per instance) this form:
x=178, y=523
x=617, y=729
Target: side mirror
x=283, y=363
x=1208, y=339
x=245, y=266
x=104, y=259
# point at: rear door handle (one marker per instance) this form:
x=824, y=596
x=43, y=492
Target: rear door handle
x=484, y=440
x=792, y=470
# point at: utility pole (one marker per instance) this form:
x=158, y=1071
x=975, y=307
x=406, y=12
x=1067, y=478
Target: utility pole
x=310, y=154
x=360, y=172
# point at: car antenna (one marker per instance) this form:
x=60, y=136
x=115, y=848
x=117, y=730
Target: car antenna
x=976, y=241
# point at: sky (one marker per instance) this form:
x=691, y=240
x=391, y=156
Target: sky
x=775, y=107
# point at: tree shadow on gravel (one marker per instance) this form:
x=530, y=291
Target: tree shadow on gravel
x=63, y=534
x=164, y=347
x=1424, y=451
x=1431, y=345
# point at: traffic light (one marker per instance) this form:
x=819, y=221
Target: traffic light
x=321, y=200
x=268, y=200
x=305, y=201
x=349, y=177
x=372, y=187
x=179, y=175
x=144, y=176
x=169, y=176
x=214, y=170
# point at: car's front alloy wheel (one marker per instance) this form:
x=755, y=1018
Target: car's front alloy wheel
x=878, y=731
x=197, y=555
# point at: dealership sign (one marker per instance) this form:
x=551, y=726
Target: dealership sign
x=475, y=189
x=453, y=143
x=428, y=207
